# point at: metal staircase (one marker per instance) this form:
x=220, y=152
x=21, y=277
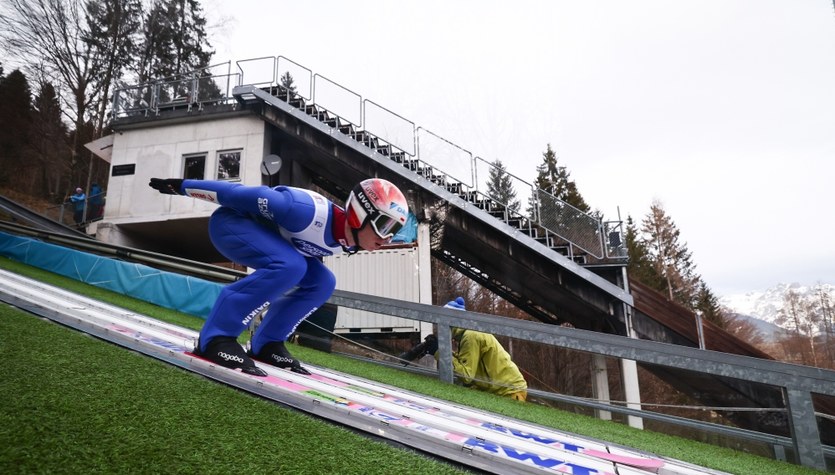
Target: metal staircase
x=525, y=224
x=472, y=232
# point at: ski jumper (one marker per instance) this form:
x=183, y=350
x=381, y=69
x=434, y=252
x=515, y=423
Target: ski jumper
x=282, y=233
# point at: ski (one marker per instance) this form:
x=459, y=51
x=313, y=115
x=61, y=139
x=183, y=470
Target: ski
x=553, y=439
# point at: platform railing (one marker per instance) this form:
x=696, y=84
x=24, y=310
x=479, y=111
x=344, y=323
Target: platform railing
x=399, y=131
x=188, y=92
x=257, y=71
x=302, y=76
x=453, y=160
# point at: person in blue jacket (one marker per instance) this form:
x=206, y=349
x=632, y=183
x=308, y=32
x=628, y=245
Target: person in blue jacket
x=78, y=200
x=96, y=202
x=283, y=233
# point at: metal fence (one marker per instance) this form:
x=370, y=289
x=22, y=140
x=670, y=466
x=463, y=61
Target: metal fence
x=71, y=214
x=797, y=383
x=189, y=91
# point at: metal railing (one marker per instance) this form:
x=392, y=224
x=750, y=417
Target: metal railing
x=343, y=106
x=797, y=383
x=68, y=213
x=188, y=91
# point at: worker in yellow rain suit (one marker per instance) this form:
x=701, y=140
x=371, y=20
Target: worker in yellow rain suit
x=482, y=363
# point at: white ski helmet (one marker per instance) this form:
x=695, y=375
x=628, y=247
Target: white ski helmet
x=380, y=203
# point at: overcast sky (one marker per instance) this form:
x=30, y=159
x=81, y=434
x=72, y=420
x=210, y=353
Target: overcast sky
x=724, y=110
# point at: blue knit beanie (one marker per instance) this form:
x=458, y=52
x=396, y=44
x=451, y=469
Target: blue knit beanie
x=457, y=304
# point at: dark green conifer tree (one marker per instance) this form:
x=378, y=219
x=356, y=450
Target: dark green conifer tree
x=112, y=27
x=556, y=180
x=671, y=258
x=175, y=47
x=15, y=122
x=558, y=206
x=708, y=305
x=640, y=266
x=50, y=145
x=500, y=186
x=287, y=81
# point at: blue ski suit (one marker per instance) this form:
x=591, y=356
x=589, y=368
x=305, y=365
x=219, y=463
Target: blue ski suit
x=282, y=233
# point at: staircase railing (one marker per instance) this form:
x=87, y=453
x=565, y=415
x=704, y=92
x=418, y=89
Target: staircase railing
x=550, y=220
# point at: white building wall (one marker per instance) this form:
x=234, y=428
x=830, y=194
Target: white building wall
x=392, y=273
x=159, y=152
x=403, y=273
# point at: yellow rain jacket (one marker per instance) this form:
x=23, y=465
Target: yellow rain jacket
x=482, y=363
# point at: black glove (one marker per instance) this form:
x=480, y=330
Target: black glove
x=167, y=186
x=418, y=351
x=431, y=344
x=428, y=346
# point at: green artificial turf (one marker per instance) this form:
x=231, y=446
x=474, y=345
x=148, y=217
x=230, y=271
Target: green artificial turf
x=73, y=404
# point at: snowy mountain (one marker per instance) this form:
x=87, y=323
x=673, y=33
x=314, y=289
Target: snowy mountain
x=768, y=331
x=764, y=307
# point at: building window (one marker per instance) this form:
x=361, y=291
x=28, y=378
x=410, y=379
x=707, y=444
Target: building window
x=229, y=165
x=194, y=167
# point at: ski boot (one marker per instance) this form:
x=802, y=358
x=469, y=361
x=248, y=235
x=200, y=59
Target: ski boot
x=276, y=354
x=225, y=351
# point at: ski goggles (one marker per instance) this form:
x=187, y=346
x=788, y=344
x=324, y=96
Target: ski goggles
x=385, y=226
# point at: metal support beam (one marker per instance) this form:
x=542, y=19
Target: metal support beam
x=425, y=271
x=445, y=372
x=629, y=375
x=600, y=384
x=804, y=428
x=632, y=391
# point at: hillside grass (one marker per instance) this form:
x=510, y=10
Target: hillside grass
x=75, y=404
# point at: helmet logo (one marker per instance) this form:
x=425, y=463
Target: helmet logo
x=369, y=208
x=397, y=208
x=372, y=193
